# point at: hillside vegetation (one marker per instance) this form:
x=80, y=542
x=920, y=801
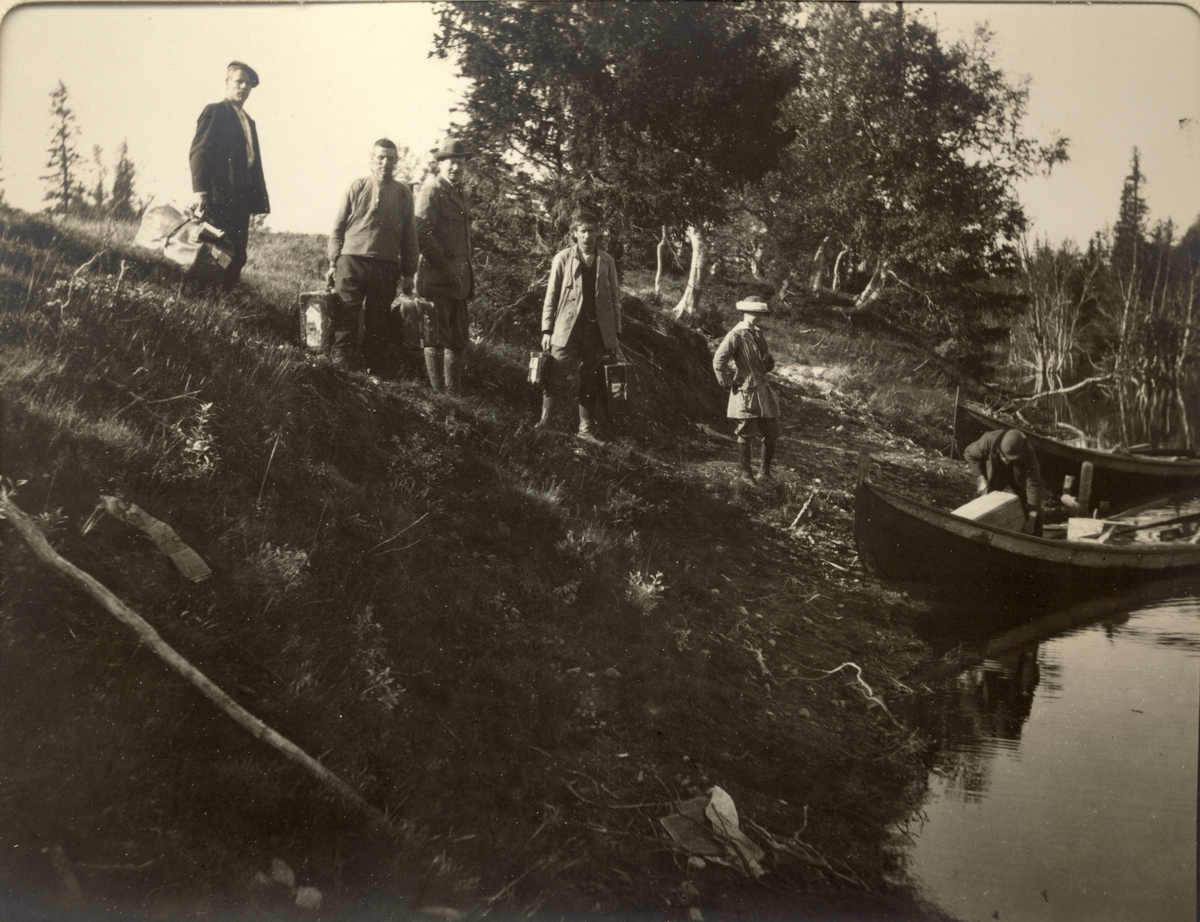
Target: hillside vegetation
x=520, y=653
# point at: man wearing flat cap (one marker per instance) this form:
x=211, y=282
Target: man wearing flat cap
x=226, y=164
x=1003, y=461
x=741, y=364
x=444, y=273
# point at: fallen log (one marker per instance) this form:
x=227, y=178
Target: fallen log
x=146, y=634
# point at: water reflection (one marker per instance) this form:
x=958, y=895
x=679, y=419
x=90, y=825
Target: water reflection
x=1064, y=784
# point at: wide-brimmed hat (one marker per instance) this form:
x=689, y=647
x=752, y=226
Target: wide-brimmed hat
x=453, y=149
x=753, y=306
x=250, y=71
x=1012, y=444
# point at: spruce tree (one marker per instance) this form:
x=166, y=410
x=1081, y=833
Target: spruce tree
x=121, y=199
x=1129, y=234
x=98, y=193
x=62, y=183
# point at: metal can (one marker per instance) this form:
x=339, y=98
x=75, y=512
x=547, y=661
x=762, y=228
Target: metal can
x=616, y=383
x=315, y=309
x=537, y=367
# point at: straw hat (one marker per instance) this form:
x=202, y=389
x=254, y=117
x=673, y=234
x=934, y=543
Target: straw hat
x=753, y=305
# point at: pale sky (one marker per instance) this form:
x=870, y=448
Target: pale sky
x=337, y=76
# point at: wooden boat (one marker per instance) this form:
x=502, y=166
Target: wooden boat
x=1117, y=477
x=903, y=539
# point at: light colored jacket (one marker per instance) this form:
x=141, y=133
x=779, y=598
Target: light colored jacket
x=376, y=220
x=564, y=297
x=444, y=237
x=741, y=364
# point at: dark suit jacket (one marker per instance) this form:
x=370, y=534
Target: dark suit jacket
x=443, y=216
x=1023, y=475
x=218, y=161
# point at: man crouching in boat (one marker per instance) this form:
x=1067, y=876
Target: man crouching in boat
x=1003, y=462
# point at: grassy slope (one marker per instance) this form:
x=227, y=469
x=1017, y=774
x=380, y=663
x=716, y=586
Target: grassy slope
x=463, y=619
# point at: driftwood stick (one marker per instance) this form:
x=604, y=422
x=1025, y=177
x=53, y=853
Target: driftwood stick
x=150, y=637
x=803, y=509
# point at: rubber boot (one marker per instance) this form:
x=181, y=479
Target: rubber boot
x=768, y=453
x=587, y=426
x=454, y=365
x=744, y=462
x=433, y=365
x=549, y=406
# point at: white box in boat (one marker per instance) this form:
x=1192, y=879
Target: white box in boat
x=1002, y=510
x=1084, y=528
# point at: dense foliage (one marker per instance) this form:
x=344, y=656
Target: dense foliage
x=652, y=115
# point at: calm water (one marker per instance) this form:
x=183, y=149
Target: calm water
x=1065, y=787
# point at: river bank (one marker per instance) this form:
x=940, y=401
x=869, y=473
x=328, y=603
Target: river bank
x=524, y=655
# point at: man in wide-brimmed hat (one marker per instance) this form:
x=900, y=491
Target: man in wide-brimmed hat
x=741, y=364
x=226, y=165
x=444, y=274
x=1003, y=461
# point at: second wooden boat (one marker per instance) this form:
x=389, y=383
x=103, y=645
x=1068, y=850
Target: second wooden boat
x=1117, y=477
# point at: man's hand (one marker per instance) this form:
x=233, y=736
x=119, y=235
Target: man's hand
x=331, y=273
x=981, y=485
x=199, y=205
x=545, y=342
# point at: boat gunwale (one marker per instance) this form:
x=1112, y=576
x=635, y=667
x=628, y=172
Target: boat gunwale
x=1069, y=553
x=1123, y=463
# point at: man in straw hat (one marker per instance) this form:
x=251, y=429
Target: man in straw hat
x=1003, y=461
x=444, y=275
x=226, y=165
x=741, y=364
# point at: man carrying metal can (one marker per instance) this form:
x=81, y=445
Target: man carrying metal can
x=372, y=249
x=581, y=320
x=445, y=275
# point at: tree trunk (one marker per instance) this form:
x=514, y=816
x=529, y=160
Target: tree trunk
x=836, y=284
x=689, y=304
x=661, y=252
x=784, y=286
x=818, y=272
x=871, y=292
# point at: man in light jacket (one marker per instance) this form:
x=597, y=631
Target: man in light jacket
x=226, y=166
x=741, y=364
x=445, y=275
x=581, y=320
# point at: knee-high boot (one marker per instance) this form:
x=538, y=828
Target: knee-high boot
x=768, y=454
x=744, y=461
x=454, y=363
x=549, y=406
x=587, y=425
x=433, y=365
